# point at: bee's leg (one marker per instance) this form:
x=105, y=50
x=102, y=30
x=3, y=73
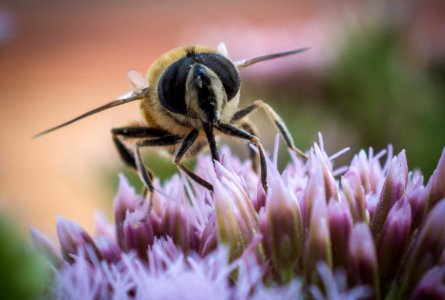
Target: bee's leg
x=129, y=160
x=129, y=157
x=208, y=129
x=126, y=154
x=276, y=119
x=144, y=173
x=139, y=132
x=250, y=128
x=243, y=134
x=185, y=145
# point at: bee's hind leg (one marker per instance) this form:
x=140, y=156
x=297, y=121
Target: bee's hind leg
x=276, y=120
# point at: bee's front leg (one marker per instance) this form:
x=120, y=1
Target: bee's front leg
x=188, y=142
x=243, y=134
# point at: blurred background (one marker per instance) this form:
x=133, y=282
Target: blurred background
x=375, y=74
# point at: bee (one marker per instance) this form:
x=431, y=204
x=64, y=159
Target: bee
x=190, y=94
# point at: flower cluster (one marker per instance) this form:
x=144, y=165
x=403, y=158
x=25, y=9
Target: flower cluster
x=370, y=230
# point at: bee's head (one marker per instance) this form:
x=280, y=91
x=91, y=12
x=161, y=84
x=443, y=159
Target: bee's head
x=204, y=93
x=199, y=85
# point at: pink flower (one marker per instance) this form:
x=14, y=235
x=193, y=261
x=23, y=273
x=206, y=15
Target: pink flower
x=375, y=232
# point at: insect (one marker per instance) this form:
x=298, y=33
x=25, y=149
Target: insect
x=191, y=93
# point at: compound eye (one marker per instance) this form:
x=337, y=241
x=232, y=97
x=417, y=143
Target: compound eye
x=171, y=86
x=225, y=69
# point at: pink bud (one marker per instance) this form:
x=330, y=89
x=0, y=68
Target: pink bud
x=260, y=200
x=340, y=225
x=392, y=190
x=236, y=218
x=431, y=286
x=418, y=200
x=138, y=232
x=369, y=171
x=318, y=242
x=428, y=248
x=282, y=227
x=436, y=184
x=109, y=250
x=73, y=238
x=176, y=225
x=394, y=239
x=362, y=266
x=208, y=240
x=314, y=189
x=125, y=200
x=355, y=195
x=325, y=165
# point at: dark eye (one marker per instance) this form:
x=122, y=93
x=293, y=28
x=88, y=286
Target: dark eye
x=171, y=86
x=224, y=68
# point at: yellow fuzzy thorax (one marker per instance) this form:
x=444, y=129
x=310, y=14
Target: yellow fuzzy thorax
x=163, y=62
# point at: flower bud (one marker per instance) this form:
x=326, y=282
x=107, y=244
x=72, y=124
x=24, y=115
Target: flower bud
x=436, y=184
x=330, y=185
x=138, y=232
x=318, y=242
x=369, y=171
x=355, y=195
x=176, y=225
x=125, y=200
x=340, y=225
x=418, y=201
x=236, y=218
x=208, y=240
x=362, y=265
x=431, y=286
x=73, y=238
x=260, y=200
x=319, y=160
x=282, y=227
x=392, y=190
x=109, y=250
x=428, y=248
x=314, y=189
x=394, y=239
